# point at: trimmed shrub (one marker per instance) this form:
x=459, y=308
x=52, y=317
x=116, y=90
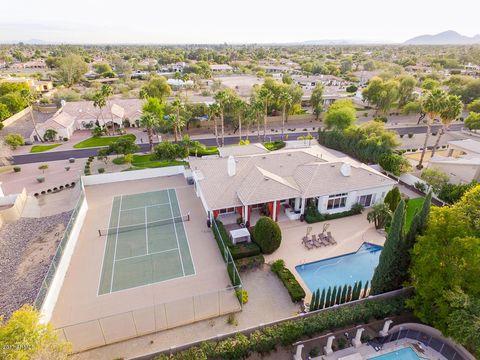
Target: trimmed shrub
x=248, y=263
x=101, y=170
x=242, y=295
x=41, y=179
x=71, y=160
x=17, y=169
x=294, y=289
x=241, y=251
x=275, y=145
x=267, y=235
x=312, y=215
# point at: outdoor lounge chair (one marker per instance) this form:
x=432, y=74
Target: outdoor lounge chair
x=330, y=238
x=323, y=239
x=315, y=242
x=307, y=243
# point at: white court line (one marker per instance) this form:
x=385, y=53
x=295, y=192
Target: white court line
x=141, y=207
x=105, y=249
x=154, y=253
x=116, y=240
x=146, y=229
x=176, y=236
x=186, y=235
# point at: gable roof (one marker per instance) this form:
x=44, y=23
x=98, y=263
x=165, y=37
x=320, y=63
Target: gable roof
x=57, y=122
x=85, y=110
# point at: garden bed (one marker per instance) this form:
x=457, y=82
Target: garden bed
x=293, y=287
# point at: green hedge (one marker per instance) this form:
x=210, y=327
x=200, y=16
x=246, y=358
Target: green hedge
x=238, y=251
x=312, y=215
x=248, y=263
x=294, y=289
x=266, y=340
x=274, y=145
x=208, y=150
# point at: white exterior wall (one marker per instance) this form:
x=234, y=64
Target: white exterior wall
x=132, y=175
x=352, y=198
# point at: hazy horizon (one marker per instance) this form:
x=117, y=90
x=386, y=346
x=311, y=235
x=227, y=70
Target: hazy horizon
x=216, y=22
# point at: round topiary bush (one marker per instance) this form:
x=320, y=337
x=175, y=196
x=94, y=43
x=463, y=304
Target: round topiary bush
x=267, y=235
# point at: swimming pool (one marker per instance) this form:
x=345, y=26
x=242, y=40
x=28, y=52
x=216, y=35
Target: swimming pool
x=401, y=354
x=341, y=270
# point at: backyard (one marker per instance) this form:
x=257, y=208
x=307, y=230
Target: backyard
x=413, y=206
x=101, y=141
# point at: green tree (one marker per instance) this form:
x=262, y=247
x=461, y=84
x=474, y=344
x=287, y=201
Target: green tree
x=267, y=235
x=433, y=104
x=435, y=178
x=380, y=215
x=239, y=107
x=407, y=84
x=328, y=298
x=170, y=151
x=387, y=274
x=333, y=299
x=122, y=146
x=50, y=135
x=474, y=106
x=156, y=87
x=71, y=69
x=24, y=336
x=381, y=94
x=222, y=98
x=343, y=297
x=285, y=100
x=213, y=111
x=392, y=198
x=453, y=109
x=321, y=303
x=265, y=96
x=4, y=112
x=394, y=163
x=340, y=115
x=316, y=100
x=472, y=121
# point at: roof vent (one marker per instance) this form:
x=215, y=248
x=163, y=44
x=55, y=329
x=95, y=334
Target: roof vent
x=346, y=169
x=231, y=166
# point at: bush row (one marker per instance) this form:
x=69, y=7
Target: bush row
x=294, y=289
x=266, y=340
x=238, y=251
x=248, y=263
x=312, y=215
x=275, y=145
x=55, y=189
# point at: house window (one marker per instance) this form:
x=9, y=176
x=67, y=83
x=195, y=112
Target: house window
x=365, y=200
x=226, y=211
x=337, y=201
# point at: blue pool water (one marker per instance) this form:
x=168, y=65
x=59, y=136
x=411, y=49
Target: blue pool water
x=402, y=354
x=341, y=270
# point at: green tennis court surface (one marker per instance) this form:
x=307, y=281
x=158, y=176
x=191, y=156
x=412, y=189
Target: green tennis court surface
x=146, y=242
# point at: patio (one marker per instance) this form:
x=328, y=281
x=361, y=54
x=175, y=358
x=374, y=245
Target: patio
x=349, y=233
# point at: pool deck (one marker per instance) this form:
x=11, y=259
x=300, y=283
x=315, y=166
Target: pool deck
x=349, y=232
x=367, y=352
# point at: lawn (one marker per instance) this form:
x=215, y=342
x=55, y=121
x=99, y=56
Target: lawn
x=145, y=161
x=42, y=148
x=274, y=145
x=208, y=150
x=101, y=141
x=413, y=205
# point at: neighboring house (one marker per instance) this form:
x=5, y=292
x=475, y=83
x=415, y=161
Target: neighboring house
x=179, y=82
x=462, y=163
x=221, y=68
x=282, y=184
x=41, y=86
x=84, y=115
x=309, y=82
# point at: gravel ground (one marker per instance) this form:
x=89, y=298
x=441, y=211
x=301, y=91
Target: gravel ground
x=26, y=249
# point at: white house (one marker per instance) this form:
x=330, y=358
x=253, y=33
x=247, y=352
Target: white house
x=62, y=123
x=283, y=183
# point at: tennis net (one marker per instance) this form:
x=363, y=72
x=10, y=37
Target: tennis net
x=145, y=225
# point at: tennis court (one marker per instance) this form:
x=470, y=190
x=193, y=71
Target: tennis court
x=146, y=242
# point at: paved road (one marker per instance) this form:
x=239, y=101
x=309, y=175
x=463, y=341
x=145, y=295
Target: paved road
x=84, y=153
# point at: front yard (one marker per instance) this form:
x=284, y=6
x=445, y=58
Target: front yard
x=101, y=141
x=147, y=161
x=42, y=148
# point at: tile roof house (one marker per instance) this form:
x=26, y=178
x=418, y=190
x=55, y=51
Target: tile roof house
x=285, y=182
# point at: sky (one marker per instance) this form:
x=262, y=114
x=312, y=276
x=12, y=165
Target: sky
x=216, y=21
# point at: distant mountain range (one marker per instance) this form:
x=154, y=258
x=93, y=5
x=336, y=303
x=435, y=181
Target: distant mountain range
x=444, y=38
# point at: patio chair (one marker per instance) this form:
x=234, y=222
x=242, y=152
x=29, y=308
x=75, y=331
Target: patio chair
x=323, y=240
x=315, y=242
x=307, y=243
x=330, y=238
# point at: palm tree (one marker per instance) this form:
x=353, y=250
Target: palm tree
x=239, y=108
x=380, y=214
x=178, y=121
x=433, y=104
x=213, y=110
x=185, y=78
x=265, y=96
x=100, y=102
x=221, y=99
x=453, y=109
x=149, y=121
x=30, y=99
x=285, y=100
x=107, y=91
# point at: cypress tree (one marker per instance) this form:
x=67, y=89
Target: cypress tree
x=339, y=295
x=349, y=293
x=334, y=296
x=317, y=299
x=359, y=290
x=392, y=198
x=365, y=289
x=312, y=302
x=344, y=294
x=354, y=291
x=321, y=304
x=425, y=213
x=328, y=297
x=388, y=274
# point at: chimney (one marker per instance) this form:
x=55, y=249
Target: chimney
x=346, y=169
x=231, y=166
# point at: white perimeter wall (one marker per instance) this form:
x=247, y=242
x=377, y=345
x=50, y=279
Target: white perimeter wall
x=57, y=282
x=132, y=175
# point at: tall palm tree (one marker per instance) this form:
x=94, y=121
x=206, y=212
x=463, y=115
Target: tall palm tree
x=213, y=110
x=265, y=96
x=222, y=98
x=185, y=78
x=100, y=101
x=177, y=121
x=433, y=104
x=107, y=91
x=30, y=99
x=149, y=121
x=239, y=107
x=453, y=109
x=285, y=100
